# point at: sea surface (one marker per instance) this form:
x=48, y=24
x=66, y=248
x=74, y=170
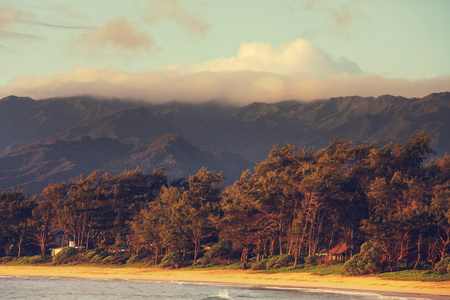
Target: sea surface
x=77, y=289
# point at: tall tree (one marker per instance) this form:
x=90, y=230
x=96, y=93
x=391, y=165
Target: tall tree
x=130, y=191
x=16, y=209
x=44, y=213
x=200, y=203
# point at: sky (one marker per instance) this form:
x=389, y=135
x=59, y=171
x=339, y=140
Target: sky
x=241, y=51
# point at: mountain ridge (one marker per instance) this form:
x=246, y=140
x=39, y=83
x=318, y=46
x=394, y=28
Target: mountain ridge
x=224, y=135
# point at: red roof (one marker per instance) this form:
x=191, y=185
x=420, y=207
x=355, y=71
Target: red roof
x=340, y=249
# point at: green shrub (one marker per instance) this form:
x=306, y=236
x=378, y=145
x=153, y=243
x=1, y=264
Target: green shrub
x=218, y=253
x=279, y=261
x=443, y=266
x=300, y=260
x=170, y=260
x=22, y=260
x=64, y=255
x=121, y=258
x=260, y=265
x=6, y=259
x=37, y=259
x=134, y=259
x=312, y=260
x=366, y=262
x=88, y=255
x=101, y=254
x=108, y=259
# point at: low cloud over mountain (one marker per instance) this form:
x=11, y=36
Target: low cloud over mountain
x=294, y=70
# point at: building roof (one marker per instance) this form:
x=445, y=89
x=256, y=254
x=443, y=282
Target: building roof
x=340, y=249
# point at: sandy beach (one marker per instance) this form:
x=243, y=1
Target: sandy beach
x=367, y=283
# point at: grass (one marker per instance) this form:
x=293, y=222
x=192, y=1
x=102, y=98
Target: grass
x=417, y=275
x=232, y=266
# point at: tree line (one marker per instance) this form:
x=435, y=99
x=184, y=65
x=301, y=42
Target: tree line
x=298, y=202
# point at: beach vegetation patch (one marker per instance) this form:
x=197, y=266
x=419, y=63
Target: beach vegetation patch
x=368, y=261
x=259, y=265
x=443, y=266
x=170, y=260
x=219, y=253
x=312, y=260
x=280, y=261
x=417, y=275
x=68, y=255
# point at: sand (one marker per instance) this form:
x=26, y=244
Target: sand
x=244, y=277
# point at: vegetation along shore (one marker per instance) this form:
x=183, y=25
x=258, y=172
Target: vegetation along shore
x=344, y=209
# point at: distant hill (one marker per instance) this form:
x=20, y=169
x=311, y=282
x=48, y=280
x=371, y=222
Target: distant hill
x=252, y=130
x=51, y=140
x=24, y=121
x=33, y=167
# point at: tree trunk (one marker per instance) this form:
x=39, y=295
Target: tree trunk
x=297, y=251
x=45, y=233
x=196, y=248
x=418, y=251
x=156, y=255
x=280, y=241
x=258, y=249
x=22, y=237
x=244, y=257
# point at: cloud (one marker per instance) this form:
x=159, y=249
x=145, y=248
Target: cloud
x=60, y=26
x=6, y=48
x=259, y=72
x=342, y=15
x=240, y=87
x=19, y=24
x=119, y=35
x=10, y=16
x=10, y=19
x=299, y=56
x=175, y=11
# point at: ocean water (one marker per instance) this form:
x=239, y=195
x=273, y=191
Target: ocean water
x=77, y=289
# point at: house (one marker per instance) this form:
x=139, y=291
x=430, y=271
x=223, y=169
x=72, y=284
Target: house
x=61, y=240
x=339, y=253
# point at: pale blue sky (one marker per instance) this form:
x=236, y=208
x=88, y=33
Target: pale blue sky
x=246, y=50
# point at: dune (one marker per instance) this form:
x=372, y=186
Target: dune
x=236, y=277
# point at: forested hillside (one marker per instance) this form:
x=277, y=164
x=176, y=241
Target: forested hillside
x=384, y=203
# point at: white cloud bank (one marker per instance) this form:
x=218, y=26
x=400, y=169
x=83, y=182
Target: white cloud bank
x=259, y=72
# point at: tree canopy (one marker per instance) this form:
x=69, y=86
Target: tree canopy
x=298, y=202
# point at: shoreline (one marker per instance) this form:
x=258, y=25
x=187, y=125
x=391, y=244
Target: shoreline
x=237, y=277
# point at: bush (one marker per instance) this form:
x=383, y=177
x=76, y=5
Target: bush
x=38, y=259
x=260, y=265
x=134, y=259
x=443, y=266
x=312, y=260
x=108, y=259
x=64, y=255
x=22, y=260
x=90, y=254
x=280, y=261
x=366, y=262
x=97, y=258
x=6, y=259
x=121, y=258
x=300, y=260
x=170, y=260
x=219, y=252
